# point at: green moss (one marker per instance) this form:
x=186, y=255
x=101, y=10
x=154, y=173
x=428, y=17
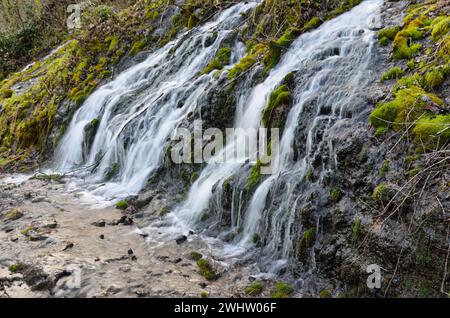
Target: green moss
x=255, y=176
x=164, y=211
x=335, y=195
x=408, y=102
x=194, y=177
x=308, y=239
x=137, y=47
x=254, y=289
x=27, y=230
x=13, y=214
x=122, y=205
x=256, y=239
x=325, y=294
x=383, y=41
x=242, y=66
x=204, y=295
x=18, y=268
x=310, y=175
x=6, y=93
x=192, y=22
x=206, y=270
x=113, y=171
x=223, y=58
x=389, y=33
x=411, y=64
x=381, y=192
x=433, y=79
x=432, y=131
x=195, y=256
x=440, y=27
x=380, y=131
x=279, y=98
x=282, y=290
x=384, y=168
x=393, y=73
x=95, y=122
x=312, y=24
x=356, y=228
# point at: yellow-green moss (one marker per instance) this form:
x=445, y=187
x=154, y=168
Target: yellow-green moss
x=440, y=27
x=388, y=33
x=393, y=73
x=281, y=96
x=137, y=47
x=282, y=290
x=312, y=24
x=355, y=229
x=13, y=214
x=432, y=131
x=223, y=58
x=122, y=205
x=206, y=270
x=381, y=192
x=254, y=289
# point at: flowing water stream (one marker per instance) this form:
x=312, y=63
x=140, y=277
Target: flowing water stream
x=139, y=110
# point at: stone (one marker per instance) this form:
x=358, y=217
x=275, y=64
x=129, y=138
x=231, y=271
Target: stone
x=181, y=239
x=101, y=223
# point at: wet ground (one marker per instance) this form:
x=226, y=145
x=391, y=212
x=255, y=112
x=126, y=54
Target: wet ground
x=52, y=245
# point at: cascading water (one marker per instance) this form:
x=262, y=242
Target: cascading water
x=334, y=66
x=138, y=111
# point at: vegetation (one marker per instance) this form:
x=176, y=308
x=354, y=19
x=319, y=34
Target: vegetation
x=282, y=290
x=122, y=205
x=415, y=105
x=254, y=289
x=222, y=59
x=206, y=270
x=335, y=194
x=393, y=73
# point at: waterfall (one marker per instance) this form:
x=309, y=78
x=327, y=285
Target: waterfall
x=139, y=110
x=334, y=65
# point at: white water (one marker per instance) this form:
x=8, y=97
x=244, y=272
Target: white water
x=140, y=109
x=144, y=102
x=351, y=35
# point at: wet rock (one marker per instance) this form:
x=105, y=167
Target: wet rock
x=124, y=220
x=40, y=199
x=144, y=199
x=37, y=279
x=49, y=224
x=101, y=223
x=130, y=252
x=181, y=239
x=102, y=237
x=68, y=246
